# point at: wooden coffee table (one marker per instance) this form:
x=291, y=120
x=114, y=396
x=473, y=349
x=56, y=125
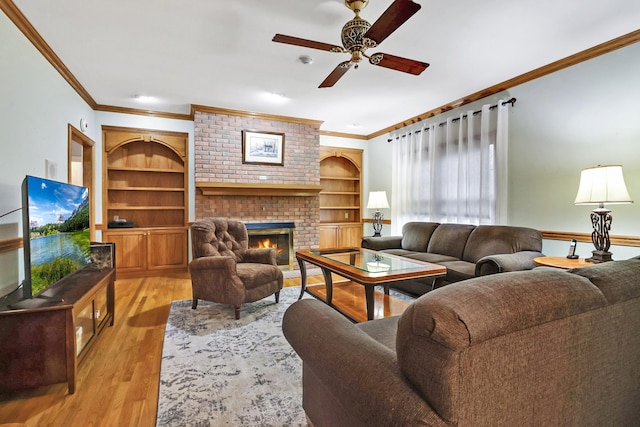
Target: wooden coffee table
x=366, y=267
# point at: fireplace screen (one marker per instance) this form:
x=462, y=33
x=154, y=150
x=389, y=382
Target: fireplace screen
x=278, y=238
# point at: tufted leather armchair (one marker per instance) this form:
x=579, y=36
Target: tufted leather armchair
x=225, y=270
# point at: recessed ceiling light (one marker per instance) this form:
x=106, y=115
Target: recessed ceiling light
x=144, y=98
x=276, y=98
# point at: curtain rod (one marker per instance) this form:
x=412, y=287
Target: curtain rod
x=511, y=101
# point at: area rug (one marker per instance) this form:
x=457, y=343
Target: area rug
x=218, y=371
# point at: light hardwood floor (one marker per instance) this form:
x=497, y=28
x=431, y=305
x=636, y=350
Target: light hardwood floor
x=118, y=381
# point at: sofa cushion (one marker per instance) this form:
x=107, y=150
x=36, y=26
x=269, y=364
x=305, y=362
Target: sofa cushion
x=399, y=252
x=450, y=239
x=257, y=275
x=617, y=280
x=382, y=330
x=500, y=239
x=459, y=270
x=429, y=257
x=416, y=235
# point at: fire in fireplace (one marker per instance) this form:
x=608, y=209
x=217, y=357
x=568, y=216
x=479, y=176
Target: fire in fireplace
x=278, y=236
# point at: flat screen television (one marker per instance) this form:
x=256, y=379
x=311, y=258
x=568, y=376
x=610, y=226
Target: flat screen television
x=56, y=231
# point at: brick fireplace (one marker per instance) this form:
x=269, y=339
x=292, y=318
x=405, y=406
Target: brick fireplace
x=226, y=187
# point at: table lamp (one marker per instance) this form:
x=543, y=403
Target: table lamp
x=377, y=201
x=600, y=185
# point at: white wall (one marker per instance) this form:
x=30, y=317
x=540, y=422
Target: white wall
x=36, y=104
x=576, y=118
x=580, y=117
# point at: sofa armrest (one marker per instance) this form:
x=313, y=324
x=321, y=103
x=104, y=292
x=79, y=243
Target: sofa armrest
x=356, y=370
x=260, y=256
x=384, y=242
x=213, y=263
x=203, y=269
x=501, y=263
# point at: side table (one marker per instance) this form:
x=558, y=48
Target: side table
x=561, y=262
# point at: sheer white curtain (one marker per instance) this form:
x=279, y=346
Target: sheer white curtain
x=454, y=171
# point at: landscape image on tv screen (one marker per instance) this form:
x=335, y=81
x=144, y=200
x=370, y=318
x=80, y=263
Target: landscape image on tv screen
x=59, y=231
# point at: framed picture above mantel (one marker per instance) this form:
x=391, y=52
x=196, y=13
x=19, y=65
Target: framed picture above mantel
x=263, y=148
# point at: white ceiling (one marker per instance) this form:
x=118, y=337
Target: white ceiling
x=220, y=54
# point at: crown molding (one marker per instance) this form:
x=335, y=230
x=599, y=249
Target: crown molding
x=241, y=113
x=343, y=135
x=20, y=21
x=141, y=112
x=577, y=58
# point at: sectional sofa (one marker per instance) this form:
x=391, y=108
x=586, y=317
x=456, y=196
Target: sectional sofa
x=544, y=347
x=466, y=250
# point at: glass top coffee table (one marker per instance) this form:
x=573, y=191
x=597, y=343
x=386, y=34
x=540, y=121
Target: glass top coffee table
x=366, y=267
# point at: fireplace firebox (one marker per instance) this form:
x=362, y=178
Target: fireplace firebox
x=276, y=235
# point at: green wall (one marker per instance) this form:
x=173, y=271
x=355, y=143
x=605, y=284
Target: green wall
x=579, y=117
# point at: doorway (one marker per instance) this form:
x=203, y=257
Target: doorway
x=80, y=167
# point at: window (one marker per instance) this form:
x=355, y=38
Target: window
x=448, y=172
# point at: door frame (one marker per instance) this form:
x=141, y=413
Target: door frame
x=74, y=135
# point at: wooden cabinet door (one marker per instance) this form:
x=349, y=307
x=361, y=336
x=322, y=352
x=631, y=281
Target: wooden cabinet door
x=131, y=249
x=167, y=249
x=101, y=307
x=328, y=236
x=84, y=327
x=350, y=235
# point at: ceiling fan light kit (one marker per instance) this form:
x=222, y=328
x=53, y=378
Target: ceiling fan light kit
x=358, y=35
x=356, y=5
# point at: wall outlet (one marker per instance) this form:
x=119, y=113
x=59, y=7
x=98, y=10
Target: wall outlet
x=346, y=215
x=262, y=177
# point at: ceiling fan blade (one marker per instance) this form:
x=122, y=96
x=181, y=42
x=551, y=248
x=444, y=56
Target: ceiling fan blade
x=335, y=75
x=395, y=15
x=296, y=41
x=405, y=65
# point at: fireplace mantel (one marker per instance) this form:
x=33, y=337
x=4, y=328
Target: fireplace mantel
x=257, y=189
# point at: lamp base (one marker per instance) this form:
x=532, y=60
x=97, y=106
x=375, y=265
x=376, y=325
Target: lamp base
x=599, y=256
x=377, y=223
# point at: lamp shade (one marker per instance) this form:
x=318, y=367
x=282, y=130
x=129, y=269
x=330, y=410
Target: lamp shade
x=602, y=184
x=377, y=200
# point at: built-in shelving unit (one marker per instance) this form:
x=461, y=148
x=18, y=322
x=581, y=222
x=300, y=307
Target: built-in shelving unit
x=340, y=198
x=145, y=176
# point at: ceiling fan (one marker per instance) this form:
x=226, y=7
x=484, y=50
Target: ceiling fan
x=358, y=35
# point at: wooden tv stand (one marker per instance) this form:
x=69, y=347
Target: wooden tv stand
x=43, y=340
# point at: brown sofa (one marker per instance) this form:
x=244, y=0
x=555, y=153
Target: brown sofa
x=544, y=347
x=466, y=250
